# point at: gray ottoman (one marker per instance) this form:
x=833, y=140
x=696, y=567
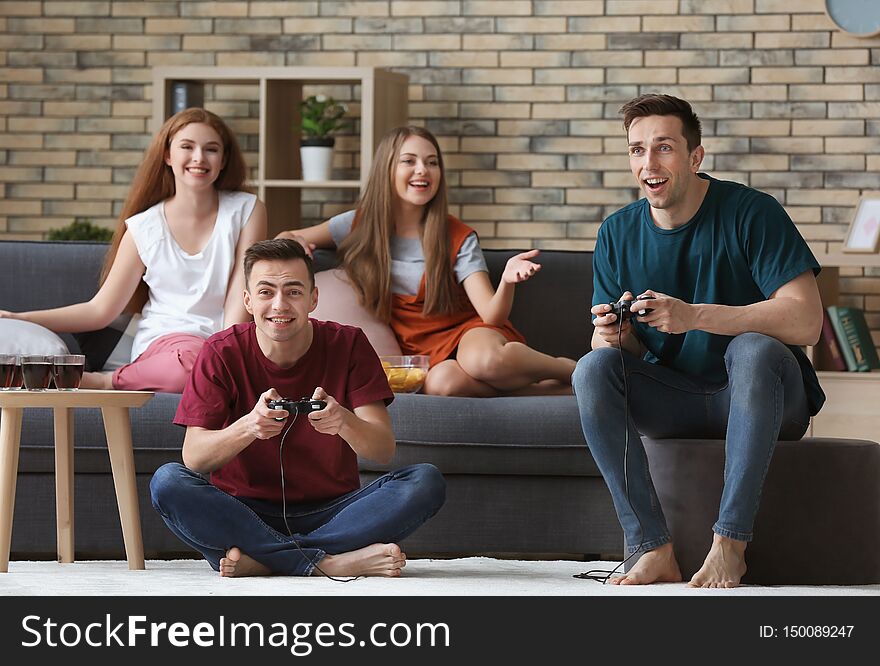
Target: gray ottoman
x=819, y=519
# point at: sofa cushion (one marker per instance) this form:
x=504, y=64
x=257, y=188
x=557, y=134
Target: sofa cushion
x=24, y=337
x=38, y=275
x=552, y=309
x=337, y=301
x=540, y=435
x=154, y=438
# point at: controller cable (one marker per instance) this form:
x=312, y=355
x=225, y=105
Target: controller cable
x=284, y=509
x=602, y=575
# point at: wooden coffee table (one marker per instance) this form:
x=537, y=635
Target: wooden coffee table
x=114, y=406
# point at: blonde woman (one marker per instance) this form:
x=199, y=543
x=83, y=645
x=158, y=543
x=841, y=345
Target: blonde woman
x=422, y=271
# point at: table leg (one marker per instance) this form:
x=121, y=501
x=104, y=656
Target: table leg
x=64, y=483
x=117, y=425
x=10, y=437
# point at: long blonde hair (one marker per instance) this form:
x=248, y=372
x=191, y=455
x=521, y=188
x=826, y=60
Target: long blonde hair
x=154, y=181
x=366, y=251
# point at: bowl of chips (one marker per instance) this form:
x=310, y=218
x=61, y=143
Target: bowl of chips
x=406, y=374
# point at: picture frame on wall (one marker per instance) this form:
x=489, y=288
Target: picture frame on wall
x=863, y=234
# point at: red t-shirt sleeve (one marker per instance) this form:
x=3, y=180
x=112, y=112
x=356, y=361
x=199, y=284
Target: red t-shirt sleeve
x=367, y=382
x=208, y=395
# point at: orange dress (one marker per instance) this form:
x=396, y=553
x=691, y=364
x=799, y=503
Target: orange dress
x=438, y=335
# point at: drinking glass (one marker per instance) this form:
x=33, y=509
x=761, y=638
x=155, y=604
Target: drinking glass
x=36, y=370
x=68, y=371
x=10, y=372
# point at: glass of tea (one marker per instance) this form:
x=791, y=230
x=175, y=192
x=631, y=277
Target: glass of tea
x=10, y=372
x=36, y=370
x=68, y=371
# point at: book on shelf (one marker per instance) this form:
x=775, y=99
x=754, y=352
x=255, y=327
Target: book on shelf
x=827, y=352
x=854, y=338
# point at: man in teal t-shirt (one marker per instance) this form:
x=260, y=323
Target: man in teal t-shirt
x=729, y=289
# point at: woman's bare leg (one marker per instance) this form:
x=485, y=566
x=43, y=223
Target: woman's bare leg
x=489, y=357
x=97, y=380
x=447, y=378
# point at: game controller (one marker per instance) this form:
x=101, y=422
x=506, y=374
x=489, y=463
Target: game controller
x=301, y=406
x=621, y=308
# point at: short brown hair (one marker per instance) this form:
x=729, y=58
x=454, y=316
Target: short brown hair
x=654, y=104
x=277, y=249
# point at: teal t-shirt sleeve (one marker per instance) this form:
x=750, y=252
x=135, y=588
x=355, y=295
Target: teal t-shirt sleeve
x=775, y=250
x=605, y=287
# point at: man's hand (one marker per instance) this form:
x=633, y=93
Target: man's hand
x=670, y=315
x=331, y=419
x=260, y=421
x=292, y=235
x=606, y=324
x=519, y=268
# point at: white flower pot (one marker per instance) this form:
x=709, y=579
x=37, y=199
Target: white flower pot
x=317, y=162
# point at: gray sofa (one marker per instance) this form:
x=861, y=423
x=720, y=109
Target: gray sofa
x=520, y=478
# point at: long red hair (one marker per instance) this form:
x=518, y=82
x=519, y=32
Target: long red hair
x=366, y=251
x=154, y=180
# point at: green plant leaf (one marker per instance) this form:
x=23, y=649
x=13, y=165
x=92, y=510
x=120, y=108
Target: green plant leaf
x=81, y=229
x=321, y=116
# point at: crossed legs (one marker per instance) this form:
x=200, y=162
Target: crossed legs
x=487, y=364
x=353, y=535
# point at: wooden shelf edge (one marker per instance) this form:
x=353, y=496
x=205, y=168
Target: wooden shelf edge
x=838, y=374
x=306, y=184
x=253, y=74
x=857, y=260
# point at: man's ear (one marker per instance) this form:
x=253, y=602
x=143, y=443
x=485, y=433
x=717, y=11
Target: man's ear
x=314, y=303
x=697, y=156
x=247, y=302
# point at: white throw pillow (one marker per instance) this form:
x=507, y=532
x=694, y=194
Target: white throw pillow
x=24, y=337
x=337, y=301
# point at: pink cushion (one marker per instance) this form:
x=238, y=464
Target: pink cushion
x=338, y=302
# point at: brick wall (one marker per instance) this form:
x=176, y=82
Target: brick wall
x=523, y=95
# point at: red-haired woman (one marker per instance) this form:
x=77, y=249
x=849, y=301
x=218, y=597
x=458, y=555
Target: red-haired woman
x=176, y=255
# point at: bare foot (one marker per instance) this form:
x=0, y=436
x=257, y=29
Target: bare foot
x=725, y=565
x=655, y=566
x=380, y=559
x=97, y=380
x=238, y=565
x=569, y=365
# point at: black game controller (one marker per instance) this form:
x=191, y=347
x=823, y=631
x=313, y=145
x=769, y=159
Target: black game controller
x=296, y=407
x=621, y=308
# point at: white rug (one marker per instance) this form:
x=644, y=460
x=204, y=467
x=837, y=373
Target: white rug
x=476, y=576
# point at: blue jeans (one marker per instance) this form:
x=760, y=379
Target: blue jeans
x=763, y=400
x=212, y=521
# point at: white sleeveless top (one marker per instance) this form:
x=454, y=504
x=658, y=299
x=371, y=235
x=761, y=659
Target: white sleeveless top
x=187, y=291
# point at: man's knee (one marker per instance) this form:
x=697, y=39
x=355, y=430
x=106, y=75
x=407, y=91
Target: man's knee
x=167, y=483
x=427, y=486
x=755, y=351
x=592, y=369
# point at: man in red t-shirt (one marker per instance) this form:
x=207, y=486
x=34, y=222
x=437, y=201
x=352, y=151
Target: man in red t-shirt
x=284, y=494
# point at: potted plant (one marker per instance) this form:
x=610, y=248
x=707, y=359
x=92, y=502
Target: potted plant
x=321, y=115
